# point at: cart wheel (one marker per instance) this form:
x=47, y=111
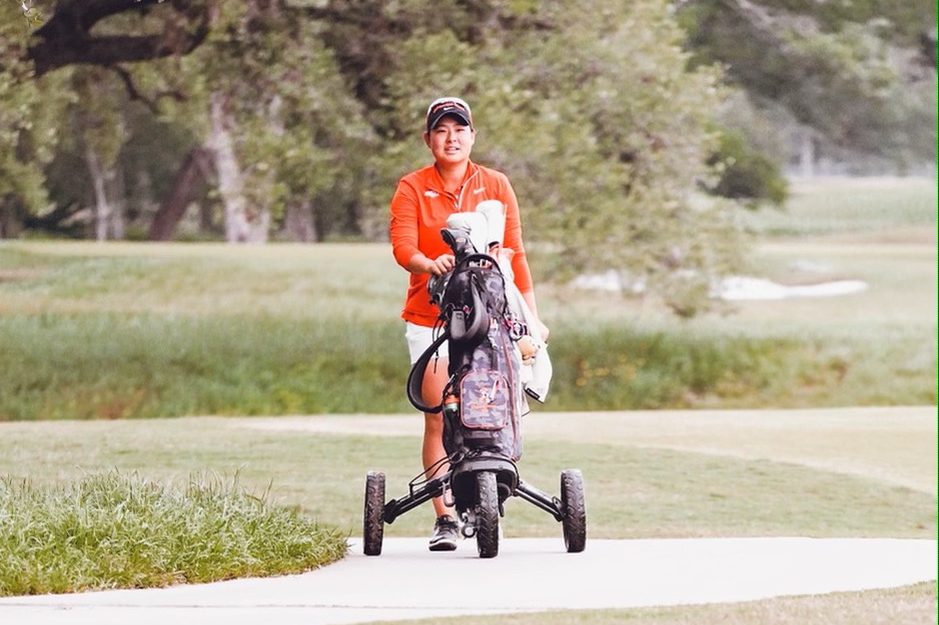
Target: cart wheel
x=374, y=522
x=487, y=515
x=574, y=510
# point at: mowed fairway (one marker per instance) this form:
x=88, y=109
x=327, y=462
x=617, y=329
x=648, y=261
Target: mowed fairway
x=892, y=445
x=834, y=473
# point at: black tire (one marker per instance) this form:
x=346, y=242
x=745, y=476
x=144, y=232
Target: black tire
x=487, y=515
x=374, y=522
x=574, y=509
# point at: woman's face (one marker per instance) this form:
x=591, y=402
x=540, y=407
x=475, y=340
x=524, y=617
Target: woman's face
x=450, y=141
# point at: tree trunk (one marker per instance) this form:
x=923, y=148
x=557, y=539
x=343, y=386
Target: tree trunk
x=240, y=226
x=9, y=226
x=102, y=209
x=206, y=221
x=118, y=195
x=807, y=154
x=193, y=171
x=299, y=222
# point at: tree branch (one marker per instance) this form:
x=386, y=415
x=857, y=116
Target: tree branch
x=134, y=94
x=66, y=37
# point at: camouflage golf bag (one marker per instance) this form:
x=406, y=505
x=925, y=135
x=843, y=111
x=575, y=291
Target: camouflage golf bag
x=483, y=400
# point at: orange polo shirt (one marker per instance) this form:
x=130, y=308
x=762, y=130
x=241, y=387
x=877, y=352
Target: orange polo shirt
x=420, y=208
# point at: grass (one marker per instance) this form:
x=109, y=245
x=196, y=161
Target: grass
x=632, y=491
x=106, y=333
x=915, y=605
x=110, y=530
x=890, y=208
x=110, y=366
x=636, y=487
x=92, y=331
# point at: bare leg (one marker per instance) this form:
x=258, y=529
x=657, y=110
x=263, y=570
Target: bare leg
x=435, y=378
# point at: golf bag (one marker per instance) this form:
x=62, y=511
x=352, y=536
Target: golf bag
x=483, y=400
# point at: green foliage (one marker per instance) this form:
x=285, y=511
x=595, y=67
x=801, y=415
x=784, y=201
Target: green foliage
x=747, y=173
x=297, y=129
x=856, y=73
x=628, y=206
x=141, y=174
x=591, y=109
x=31, y=14
x=612, y=367
x=99, y=533
x=100, y=116
x=29, y=111
x=908, y=20
x=602, y=131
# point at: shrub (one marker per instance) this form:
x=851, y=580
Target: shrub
x=747, y=173
x=115, y=531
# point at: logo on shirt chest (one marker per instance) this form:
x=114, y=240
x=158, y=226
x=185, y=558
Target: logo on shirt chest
x=430, y=193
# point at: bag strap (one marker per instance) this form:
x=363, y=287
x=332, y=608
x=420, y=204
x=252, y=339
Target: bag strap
x=478, y=326
x=416, y=376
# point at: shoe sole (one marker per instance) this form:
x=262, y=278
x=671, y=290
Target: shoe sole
x=443, y=545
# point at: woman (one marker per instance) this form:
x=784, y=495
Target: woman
x=419, y=209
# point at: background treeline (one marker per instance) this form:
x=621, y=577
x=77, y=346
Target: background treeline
x=293, y=119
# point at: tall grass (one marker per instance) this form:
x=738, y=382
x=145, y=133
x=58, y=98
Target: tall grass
x=702, y=366
x=115, y=531
x=110, y=366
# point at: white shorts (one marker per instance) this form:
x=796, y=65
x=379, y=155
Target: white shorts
x=420, y=338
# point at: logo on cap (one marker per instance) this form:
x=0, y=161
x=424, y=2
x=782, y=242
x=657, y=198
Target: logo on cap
x=442, y=107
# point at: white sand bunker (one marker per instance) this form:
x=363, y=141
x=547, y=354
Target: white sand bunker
x=741, y=288
x=733, y=288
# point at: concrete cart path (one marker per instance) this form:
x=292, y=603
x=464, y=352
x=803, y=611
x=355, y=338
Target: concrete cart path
x=407, y=582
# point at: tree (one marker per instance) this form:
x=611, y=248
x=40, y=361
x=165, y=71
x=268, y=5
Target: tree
x=590, y=110
x=193, y=172
x=85, y=43
x=28, y=132
x=284, y=129
x=313, y=109
x=99, y=120
x=237, y=47
x=856, y=74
